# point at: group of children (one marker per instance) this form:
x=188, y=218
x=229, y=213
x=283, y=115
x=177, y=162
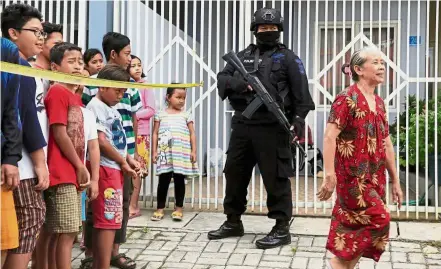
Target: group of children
x=78, y=139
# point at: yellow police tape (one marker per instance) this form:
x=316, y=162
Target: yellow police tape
x=80, y=80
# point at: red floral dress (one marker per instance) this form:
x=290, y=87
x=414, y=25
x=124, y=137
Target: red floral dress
x=360, y=218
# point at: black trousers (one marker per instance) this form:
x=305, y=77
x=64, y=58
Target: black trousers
x=164, y=183
x=120, y=235
x=269, y=147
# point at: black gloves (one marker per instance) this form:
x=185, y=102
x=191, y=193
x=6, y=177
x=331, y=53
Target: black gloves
x=237, y=85
x=299, y=127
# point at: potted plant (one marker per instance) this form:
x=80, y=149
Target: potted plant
x=412, y=134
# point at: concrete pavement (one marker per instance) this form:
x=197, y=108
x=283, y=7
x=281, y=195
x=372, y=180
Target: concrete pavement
x=168, y=244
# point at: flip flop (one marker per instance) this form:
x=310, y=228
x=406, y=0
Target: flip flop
x=137, y=214
x=127, y=264
x=86, y=263
x=176, y=215
x=157, y=216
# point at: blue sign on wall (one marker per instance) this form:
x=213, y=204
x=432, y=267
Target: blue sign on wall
x=414, y=40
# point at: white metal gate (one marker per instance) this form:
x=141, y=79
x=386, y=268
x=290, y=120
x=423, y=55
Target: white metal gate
x=185, y=40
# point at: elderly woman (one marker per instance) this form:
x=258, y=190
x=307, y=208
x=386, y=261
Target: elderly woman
x=357, y=152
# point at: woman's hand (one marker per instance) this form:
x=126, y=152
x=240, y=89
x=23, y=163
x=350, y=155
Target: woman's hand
x=397, y=193
x=327, y=187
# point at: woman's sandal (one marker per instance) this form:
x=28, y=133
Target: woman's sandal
x=127, y=264
x=87, y=263
x=157, y=216
x=176, y=215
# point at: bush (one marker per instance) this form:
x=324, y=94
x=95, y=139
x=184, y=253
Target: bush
x=412, y=131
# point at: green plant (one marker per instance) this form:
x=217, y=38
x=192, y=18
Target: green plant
x=412, y=113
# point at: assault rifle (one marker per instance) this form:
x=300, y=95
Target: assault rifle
x=263, y=95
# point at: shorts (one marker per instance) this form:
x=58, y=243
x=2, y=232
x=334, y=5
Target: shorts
x=107, y=208
x=63, y=204
x=83, y=205
x=31, y=210
x=9, y=225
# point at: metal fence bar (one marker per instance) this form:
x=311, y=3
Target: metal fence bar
x=315, y=96
x=177, y=47
x=325, y=75
x=201, y=89
x=193, y=91
x=224, y=104
x=65, y=36
x=407, y=111
x=210, y=24
x=436, y=85
x=57, y=14
x=51, y=13
x=116, y=16
x=387, y=79
x=169, y=60
x=398, y=104
x=417, y=114
x=426, y=129
x=82, y=20
x=217, y=100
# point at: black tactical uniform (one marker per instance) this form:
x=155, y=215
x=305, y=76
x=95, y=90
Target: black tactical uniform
x=261, y=139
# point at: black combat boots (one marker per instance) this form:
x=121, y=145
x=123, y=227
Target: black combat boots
x=278, y=236
x=232, y=227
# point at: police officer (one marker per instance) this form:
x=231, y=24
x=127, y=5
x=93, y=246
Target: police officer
x=260, y=139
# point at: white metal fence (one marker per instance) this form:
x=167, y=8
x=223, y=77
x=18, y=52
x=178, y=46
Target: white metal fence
x=185, y=40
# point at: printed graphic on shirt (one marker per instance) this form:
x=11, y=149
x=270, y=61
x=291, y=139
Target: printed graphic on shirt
x=75, y=129
x=113, y=204
x=165, y=141
x=118, y=137
x=39, y=102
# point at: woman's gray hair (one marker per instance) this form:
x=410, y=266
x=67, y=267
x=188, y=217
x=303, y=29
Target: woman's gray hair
x=359, y=58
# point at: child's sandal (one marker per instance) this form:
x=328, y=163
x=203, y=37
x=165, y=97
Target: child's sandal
x=86, y=263
x=157, y=216
x=176, y=215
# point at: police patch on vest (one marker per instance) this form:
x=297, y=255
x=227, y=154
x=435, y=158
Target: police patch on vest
x=277, y=57
x=301, y=67
x=248, y=63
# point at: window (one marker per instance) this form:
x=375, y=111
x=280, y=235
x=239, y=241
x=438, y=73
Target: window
x=333, y=81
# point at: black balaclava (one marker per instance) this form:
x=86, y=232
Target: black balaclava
x=267, y=40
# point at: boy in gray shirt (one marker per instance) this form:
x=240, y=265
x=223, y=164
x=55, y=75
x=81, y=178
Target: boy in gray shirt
x=107, y=208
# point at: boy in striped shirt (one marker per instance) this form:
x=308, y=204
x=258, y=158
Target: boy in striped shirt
x=116, y=48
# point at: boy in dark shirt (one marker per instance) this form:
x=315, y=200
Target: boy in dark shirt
x=11, y=150
x=21, y=24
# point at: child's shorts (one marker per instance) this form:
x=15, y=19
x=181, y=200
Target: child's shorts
x=31, y=210
x=83, y=205
x=9, y=224
x=108, y=206
x=63, y=209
